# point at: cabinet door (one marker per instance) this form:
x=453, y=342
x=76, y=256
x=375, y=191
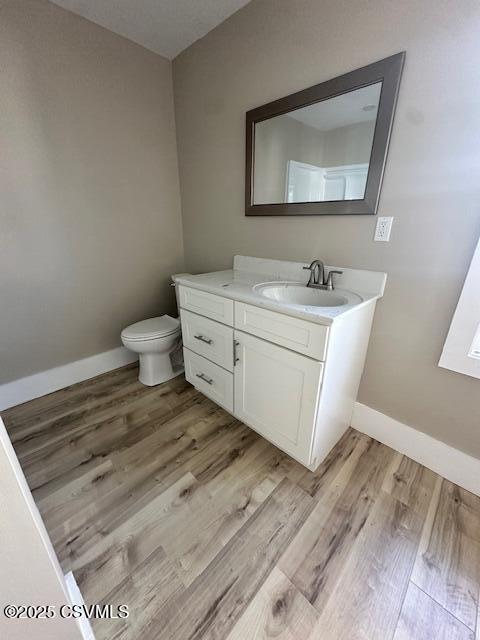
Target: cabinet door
x=276, y=393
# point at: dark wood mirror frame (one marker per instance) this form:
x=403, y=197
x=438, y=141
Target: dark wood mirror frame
x=387, y=71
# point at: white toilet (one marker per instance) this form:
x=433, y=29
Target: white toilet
x=154, y=340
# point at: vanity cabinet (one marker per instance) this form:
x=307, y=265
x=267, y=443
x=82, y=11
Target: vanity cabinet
x=291, y=380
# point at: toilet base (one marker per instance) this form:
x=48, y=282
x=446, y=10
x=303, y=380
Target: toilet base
x=156, y=368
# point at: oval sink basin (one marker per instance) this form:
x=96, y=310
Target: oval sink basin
x=296, y=293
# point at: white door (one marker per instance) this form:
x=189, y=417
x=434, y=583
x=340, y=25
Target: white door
x=32, y=573
x=275, y=393
x=304, y=182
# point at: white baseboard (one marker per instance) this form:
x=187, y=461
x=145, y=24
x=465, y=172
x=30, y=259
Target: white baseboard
x=39, y=384
x=77, y=598
x=456, y=466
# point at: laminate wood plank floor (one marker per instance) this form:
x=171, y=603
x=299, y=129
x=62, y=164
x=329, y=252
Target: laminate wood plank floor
x=158, y=499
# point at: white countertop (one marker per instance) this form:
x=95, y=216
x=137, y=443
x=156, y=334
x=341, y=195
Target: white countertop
x=238, y=284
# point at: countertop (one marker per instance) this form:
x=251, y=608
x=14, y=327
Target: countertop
x=239, y=284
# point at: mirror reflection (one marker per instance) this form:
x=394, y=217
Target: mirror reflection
x=317, y=153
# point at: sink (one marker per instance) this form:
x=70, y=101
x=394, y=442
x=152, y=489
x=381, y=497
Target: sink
x=298, y=294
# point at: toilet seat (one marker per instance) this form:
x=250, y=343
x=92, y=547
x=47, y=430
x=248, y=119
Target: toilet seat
x=151, y=329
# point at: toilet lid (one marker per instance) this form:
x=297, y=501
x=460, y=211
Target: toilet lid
x=151, y=328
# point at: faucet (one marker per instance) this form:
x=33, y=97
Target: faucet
x=317, y=273
x=317, y=276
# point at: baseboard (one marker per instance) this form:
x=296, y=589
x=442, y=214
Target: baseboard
x=456, y=466
x=39, y=384
x=77, y=598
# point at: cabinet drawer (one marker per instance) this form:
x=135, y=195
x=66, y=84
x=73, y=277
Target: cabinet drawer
x=209, y=378
x=207, y=304
x=293, y=333
x=208, y=338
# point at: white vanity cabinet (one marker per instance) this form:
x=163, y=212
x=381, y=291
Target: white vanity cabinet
x=291, y=380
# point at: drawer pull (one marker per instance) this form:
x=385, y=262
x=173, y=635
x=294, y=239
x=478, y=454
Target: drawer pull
x=203, y=377
x=203, y=339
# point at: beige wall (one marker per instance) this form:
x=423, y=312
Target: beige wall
x=90, y=225
x=351, y=144
x=274, y=47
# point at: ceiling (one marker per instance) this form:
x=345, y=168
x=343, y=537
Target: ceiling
x=164, y=26
x=342, y=110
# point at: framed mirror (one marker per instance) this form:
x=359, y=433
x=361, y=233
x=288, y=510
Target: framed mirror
x=323, y=150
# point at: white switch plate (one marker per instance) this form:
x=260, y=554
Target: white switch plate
x=383, y=229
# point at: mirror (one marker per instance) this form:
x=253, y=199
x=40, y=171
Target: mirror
x=317, y=153
x=323, y=150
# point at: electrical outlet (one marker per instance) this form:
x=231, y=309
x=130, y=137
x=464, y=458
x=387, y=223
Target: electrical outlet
x=383, y=229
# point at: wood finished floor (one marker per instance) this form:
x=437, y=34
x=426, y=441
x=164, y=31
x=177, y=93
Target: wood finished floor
x=158, y=499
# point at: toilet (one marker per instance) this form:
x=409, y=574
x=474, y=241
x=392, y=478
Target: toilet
x=154, y=340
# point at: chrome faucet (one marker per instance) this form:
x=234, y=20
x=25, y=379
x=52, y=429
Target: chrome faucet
x=317, y=278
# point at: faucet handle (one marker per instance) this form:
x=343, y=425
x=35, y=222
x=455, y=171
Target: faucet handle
x=329, y=282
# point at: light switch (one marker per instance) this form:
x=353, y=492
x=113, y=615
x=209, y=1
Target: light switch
x=383, y=229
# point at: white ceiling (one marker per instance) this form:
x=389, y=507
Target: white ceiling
x=342, y=110
x=164, y=26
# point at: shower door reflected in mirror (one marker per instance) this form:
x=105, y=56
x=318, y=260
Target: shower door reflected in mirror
x=323, y=150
